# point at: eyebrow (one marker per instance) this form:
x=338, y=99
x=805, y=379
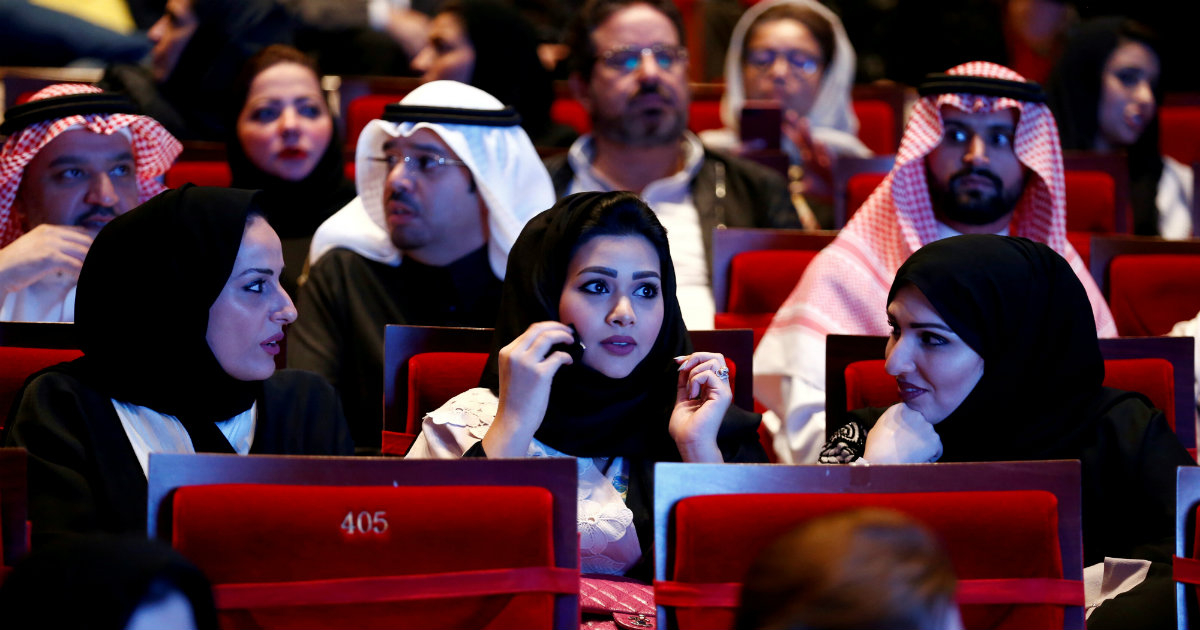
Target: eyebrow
x=612, y=273
x=252, y=270
x=935, y=325
x=70, y=159
x=420, y=146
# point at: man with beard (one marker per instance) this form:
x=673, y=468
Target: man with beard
x=446, y=180
x=980, y=155
x=629, y=69
x=74, y=158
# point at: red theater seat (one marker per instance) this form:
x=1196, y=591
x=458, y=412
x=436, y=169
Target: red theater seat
x=27, y=347
x=363, y=110
x=988, y=535
x=1179, y=132
x=1150, y=293
x=754, y=270
x=284, y=556
x=200, y=173
x=1150, y=283
x=876, y=126
x=1012, y=531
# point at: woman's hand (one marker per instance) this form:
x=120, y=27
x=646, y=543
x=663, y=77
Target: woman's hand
x=526, y=373
x=902, y=436
x=702, y=396
x=815, y=157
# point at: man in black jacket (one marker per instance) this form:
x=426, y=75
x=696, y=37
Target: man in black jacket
x=629, y=69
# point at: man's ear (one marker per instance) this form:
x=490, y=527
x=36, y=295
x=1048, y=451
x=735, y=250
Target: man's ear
x=579, y=90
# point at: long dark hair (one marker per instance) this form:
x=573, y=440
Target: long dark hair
x=1074, y=93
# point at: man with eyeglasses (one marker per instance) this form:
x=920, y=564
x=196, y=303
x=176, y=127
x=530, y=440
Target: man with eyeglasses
x=446, y=180
x=629, y=69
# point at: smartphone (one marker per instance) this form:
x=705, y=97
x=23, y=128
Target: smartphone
x=761, y=125
x=575, y=348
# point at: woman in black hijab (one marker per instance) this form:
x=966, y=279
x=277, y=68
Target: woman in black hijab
x=107, y=582
x=180, y=315
x=491, y=46
x=596, y=266
x=283, y=141
x=994, y=351
x=1105, y=91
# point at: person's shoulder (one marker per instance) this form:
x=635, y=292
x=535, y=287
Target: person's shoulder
x=297, y=382
x=338, y=262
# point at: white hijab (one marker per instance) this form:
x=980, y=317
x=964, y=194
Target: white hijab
x=505, y=166
x=832, y=117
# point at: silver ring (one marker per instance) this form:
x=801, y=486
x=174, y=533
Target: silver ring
x=723, y=373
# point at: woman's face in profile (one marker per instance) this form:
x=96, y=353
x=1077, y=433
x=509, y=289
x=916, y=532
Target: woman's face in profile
x=935, y=369
x=783, y=62
x=1127, y=102
x=245, y=323
x=613, y=296
x=449, y=54
x=285, y=126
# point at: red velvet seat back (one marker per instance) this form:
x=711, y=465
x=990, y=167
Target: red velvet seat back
x=876, y=125
x=1149, y=293
x=1091, y=202
x=1179, y=132
x=859, y=188
x=288, y=535
x=705, y=114
x=435, y=377
x=569, y=111
x=988, y=535
x=363, y=110
x=759, y=282
x=199, y=172
x=16, y=364
x=869, y=385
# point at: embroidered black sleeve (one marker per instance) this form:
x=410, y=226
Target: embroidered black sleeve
x=847, y=445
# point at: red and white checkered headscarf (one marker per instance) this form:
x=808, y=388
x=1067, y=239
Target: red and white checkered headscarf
x=844, y=290
x=154, y=150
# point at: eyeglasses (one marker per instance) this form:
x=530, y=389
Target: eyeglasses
x=626, y=59
x=422, y=163
x=797, y=59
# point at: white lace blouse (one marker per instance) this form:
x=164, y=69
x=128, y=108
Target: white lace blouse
x=608, y=542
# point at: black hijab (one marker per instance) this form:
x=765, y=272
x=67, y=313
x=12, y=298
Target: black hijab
x=507, y=64
x=142, y=304
x=96, y=582
x=228, y=32
x=294, y=208
x=590, y=414
x=1020, y=306
x=1073, y=94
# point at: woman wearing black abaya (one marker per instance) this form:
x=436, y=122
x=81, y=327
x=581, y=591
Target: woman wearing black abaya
x=180, y=316
x=636, y=394
x=283, y=141
x=1105, y=92
x=994, y=351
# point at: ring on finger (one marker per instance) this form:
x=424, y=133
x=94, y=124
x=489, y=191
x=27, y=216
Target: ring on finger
x=722, y=373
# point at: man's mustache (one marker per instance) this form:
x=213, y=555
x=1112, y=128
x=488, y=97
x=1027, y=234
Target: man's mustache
x=982, y=172
x=96, y=212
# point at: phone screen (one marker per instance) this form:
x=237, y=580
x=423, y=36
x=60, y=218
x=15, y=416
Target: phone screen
x=761, y=125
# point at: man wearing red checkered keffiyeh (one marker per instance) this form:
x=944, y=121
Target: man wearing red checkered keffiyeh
x=74, y=158
x=980, y=154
